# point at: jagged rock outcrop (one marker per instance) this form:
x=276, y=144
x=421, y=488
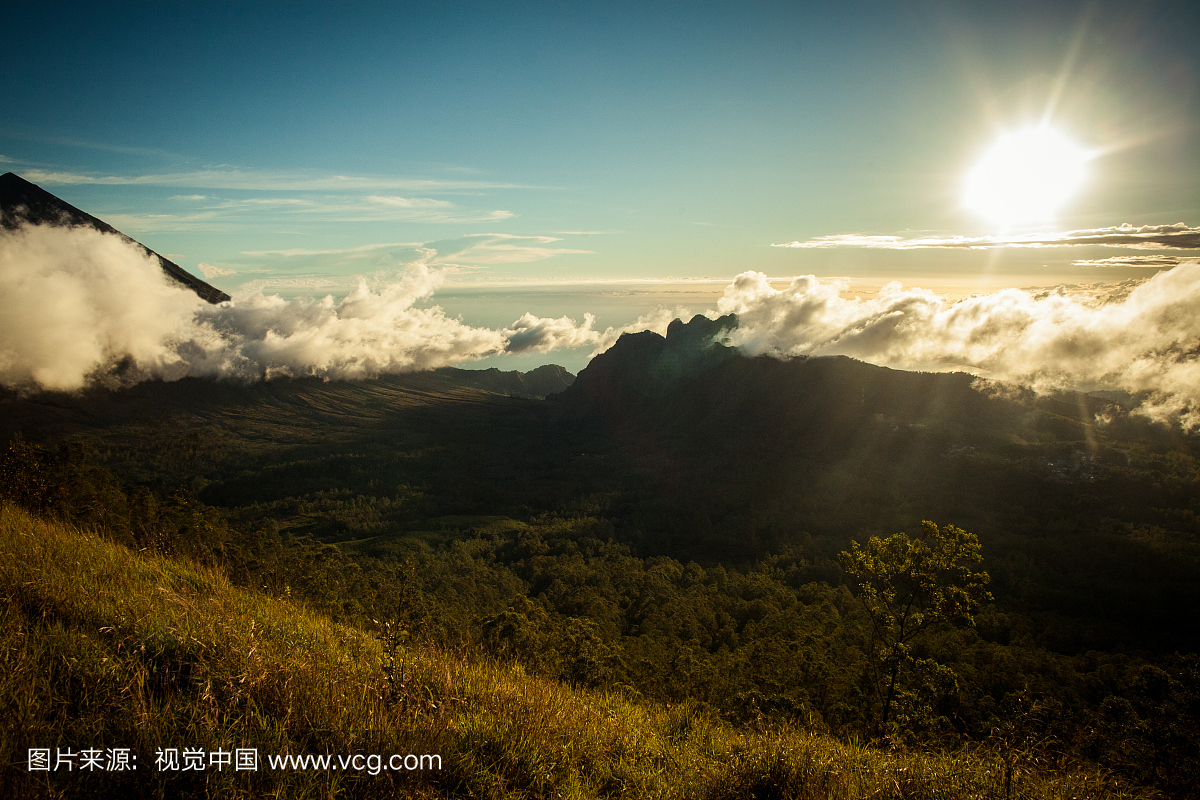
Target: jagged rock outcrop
x=641, y=367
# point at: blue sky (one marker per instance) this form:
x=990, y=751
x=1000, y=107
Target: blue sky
x=531, y=150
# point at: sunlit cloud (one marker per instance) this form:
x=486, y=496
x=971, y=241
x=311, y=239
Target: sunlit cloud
x=75, y=303
x=1139, y=337
x=1177, y=236
x=213, y=271
x=531, y=333
x=1147, y=262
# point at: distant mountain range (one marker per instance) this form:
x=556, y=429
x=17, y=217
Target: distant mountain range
x=691, y=384
x=22, y=202
x=539, y=382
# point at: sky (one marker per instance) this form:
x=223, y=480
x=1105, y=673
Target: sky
x=626, y=161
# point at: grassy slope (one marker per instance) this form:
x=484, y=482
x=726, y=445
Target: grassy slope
x=103, y=647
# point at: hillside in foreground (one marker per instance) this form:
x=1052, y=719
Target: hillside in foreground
x=109, y=651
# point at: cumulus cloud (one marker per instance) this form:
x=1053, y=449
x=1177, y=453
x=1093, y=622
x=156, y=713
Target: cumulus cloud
x=369, y=332
x=76, y=304
x=79, y=306
x=532, y=334
x=1143, y=339
x=543, y=334
x=73, y=300
x=1177, y=236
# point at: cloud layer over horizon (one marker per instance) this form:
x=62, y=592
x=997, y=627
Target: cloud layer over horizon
x=76, y=303
x=1135, y=336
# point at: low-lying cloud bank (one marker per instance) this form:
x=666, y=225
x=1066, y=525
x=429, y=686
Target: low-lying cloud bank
x=78, y=306
x=1143, y=337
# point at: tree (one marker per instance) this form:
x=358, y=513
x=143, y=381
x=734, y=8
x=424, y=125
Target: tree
x=23, y=477
x=909, y=586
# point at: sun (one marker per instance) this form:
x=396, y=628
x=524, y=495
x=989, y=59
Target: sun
x=1026, y=176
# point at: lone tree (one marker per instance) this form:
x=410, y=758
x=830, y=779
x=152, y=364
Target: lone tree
x=909, y=586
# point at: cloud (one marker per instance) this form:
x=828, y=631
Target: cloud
x=366, y=248
x=369, y=332
x=1148, y=262
x=504, y=248
x=531, y=334
x=76, y=303
x=1143, y=339
x=211, y=271
x=229, y=214
x=543, y=334
x=78, y=306
x=73, y=300
x=264, y=180
x=1177, y=236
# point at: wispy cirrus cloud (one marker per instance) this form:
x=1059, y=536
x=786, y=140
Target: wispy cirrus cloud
x=265, y=180
x=1149, y=237
x=324, y=269
x=1145, y=262
x=485, y=249
x=226, y=214
x=365, y=248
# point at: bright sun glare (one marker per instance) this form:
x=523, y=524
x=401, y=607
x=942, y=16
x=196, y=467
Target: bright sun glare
x=1026, y=176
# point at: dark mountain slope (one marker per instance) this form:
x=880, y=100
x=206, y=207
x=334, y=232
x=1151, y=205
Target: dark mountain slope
x=22, y=202
x=688, y=385
x=174, y=432
x=539, y=382
x=727, y=458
